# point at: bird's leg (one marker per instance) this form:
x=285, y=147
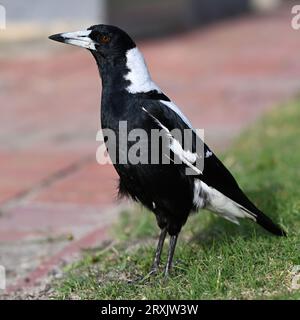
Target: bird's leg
x=172, y=245
x=158, y=251
x=156, y=259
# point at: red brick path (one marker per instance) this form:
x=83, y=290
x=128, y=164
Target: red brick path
x=223, y=77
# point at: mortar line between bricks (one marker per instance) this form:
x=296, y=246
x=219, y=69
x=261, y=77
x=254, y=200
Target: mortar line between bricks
x=46, y=182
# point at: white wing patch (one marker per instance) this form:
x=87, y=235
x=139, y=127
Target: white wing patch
x=138, y=75
x=173, y=107
x=217, y=202
x=186, y=156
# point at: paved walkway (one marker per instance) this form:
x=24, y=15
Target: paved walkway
x=54, y=198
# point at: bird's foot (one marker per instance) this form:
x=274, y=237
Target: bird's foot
x=154, y=269
x=152, y=273
x=142, y=278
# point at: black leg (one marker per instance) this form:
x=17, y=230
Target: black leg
x=172, y=245
x=158, y=251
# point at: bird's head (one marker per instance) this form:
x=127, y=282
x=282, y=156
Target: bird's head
x=103, y=40
x=121, y=64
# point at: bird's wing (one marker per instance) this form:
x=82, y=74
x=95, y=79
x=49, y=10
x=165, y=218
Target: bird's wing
x=175, y=145
x=214, y=173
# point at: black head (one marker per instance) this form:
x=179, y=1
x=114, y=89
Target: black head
x=119, y=61
x=103, y=40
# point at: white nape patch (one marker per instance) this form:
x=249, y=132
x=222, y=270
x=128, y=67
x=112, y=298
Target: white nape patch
x=79, y=39
x=186, y=156
x=138, y=75
x=218, y=203
x=208, y=154
x=173, y=107
x=140, y=80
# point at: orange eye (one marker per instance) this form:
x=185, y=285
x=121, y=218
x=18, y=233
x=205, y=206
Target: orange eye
x=104, y=39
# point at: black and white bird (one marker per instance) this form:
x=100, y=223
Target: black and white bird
x=129, y=94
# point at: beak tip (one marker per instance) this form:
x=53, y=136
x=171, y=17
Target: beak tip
x=56, y=37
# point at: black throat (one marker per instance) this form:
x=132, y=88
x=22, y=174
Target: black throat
x=112, y=72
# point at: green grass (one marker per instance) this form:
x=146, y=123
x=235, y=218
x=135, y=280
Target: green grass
x=215, y=259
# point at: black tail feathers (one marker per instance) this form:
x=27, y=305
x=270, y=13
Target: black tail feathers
x=269, y=225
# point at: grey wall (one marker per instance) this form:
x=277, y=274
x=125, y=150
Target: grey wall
x=138, y=17
x=46, y=11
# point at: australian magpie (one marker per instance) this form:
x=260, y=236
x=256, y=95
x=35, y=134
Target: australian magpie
x=129, y=94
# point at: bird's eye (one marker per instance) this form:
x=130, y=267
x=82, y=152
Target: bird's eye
x=104, y=39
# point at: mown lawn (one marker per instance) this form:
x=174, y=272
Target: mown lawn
x=214, y=258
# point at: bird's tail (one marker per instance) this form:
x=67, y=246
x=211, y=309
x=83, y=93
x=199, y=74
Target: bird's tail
x=263, y=220
x=257, y=215
x=269, y=225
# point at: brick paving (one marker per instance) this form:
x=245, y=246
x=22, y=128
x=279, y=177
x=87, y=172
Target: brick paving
x=223, y=77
